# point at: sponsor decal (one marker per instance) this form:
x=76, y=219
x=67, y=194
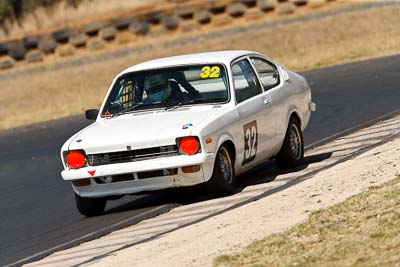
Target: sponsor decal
x=187, y=125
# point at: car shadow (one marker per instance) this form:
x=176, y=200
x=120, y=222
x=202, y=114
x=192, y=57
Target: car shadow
x=264, y=173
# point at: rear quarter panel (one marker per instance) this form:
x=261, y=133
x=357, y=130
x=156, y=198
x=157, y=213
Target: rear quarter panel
x=295, y=97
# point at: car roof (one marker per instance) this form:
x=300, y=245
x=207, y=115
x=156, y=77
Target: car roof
x=224, y=57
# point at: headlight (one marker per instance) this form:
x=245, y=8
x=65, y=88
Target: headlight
x=188, y=145
x=75, y=159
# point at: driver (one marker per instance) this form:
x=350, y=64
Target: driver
x=160, y=90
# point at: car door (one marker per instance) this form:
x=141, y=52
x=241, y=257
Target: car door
x=257, y=127
x=274, y=98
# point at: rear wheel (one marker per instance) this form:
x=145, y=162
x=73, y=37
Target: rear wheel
x=223, y=179
x=292, y=151
x=90, y=207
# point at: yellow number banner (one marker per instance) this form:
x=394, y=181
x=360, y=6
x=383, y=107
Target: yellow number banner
x=210, y=72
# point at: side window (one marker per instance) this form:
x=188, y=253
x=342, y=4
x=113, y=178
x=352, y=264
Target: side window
x=267, y=72
x=245, y=81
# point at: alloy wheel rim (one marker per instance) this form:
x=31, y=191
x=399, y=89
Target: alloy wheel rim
x=295, y=142
x=225, y=165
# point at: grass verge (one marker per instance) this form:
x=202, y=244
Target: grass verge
x=361, y=231
x=299, y=46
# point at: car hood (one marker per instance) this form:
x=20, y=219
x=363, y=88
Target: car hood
x=141, y=129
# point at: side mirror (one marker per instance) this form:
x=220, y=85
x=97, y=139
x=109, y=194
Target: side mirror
x=91, y=114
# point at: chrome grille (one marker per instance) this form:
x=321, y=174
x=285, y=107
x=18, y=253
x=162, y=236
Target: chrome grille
x=132, y=155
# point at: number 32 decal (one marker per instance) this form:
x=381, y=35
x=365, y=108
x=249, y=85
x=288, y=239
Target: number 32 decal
x=210, y=72
x=250, y=141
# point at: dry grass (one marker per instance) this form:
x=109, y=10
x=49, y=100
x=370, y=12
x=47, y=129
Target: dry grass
x=299, y=46
x=63, y=15
x=362, y=231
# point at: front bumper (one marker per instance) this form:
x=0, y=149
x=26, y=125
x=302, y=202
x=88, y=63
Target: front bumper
x=206, y=161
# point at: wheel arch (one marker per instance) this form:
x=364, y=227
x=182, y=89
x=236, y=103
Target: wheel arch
x=295, y=115
x=231, y=147
x=227, y=140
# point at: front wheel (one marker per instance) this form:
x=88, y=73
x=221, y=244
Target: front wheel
x=292, y=150
x=223, y=179
x=90, y=207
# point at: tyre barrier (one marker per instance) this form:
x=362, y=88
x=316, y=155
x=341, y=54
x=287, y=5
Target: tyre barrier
x=267, y=5
x=108, y=34
x=78, y=39
x=62, y=36
x=250, y=3
x=236, y=9
x=18, y=51
x=6, y=63
x=187, y=16
x=47, y=46
x=218, y=7
x=139, y=28
x=122, y=23
x=299, y=2
x=3, y=50
x=171, y=22
x=95, y=44
x=32, y=42
x=154, y=17
x=64, y=51
x=285, y=8
x=202, y=16
x=34, y=56
x=186, y=12
x=7, y=46
x=94, y=27
x=316, y=3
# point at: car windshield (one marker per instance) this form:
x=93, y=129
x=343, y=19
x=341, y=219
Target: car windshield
x=167, y=88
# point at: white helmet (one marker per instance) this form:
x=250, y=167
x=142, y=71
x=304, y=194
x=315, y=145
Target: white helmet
x=157, y=88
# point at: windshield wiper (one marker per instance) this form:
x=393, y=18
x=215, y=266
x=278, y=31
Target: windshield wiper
x=180, y=104
x=127, y=110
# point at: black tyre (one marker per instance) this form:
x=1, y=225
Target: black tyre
x=62, y=36
x=90, y=207
x=94, y=27
x=202, y=16
x=171, y=22
x=122, y=22
x=47, y=46
x=139, y=28
x=18, y=52
x=32, y=41
x=236, y=9
x=223, y=179
x=292, y=150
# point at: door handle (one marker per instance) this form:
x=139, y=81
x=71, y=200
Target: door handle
x=267, y=102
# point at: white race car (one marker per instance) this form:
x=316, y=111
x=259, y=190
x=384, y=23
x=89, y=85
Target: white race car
x=186, y=120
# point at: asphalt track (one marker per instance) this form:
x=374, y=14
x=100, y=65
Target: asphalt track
x=37, y=210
